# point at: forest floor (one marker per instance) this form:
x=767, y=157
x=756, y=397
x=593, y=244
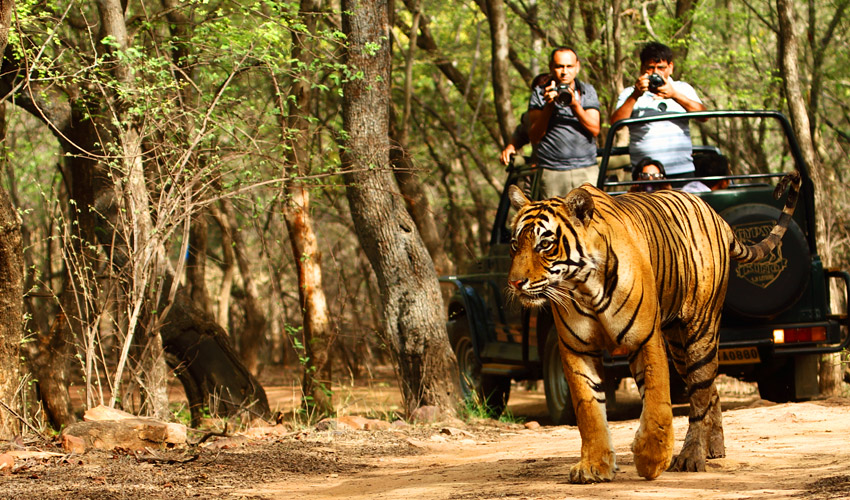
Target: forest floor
x=797, y=450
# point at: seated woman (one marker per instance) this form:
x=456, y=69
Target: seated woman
x=649, y=170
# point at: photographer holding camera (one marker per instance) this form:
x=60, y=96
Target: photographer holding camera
x=563, y=125
x=656, y=92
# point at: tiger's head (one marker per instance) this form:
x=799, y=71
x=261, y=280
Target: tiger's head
x=552, y=257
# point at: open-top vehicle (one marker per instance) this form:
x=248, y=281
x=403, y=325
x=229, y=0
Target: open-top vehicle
x=777, y=317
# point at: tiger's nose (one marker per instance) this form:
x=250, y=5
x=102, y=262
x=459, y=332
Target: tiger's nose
x=517, y=283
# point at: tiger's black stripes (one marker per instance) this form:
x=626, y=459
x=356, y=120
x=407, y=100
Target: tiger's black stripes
x=634, y=271
x=631, y=322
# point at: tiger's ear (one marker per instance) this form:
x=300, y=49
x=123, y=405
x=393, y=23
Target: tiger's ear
x=517, y=197
x=580, y=205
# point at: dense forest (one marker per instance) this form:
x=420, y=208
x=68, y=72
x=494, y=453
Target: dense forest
x=216, y=189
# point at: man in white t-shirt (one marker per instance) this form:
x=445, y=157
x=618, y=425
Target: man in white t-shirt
x=666, y=141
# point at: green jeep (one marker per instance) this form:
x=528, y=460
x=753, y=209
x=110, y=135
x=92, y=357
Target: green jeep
x=777, y=317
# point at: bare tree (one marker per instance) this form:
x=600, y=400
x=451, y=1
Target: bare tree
x=830, y=367
x=115, y=237
x=317, y=331
x=130, y=194
x=412, y=306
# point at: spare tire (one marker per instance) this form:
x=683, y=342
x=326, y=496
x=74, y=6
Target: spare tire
x=769, y=286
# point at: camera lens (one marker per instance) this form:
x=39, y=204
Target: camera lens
x=565, y=97
x=655, y=81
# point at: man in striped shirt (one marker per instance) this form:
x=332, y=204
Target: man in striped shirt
x=666, y=141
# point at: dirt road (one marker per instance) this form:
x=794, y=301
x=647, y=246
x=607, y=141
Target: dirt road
x=799, y=450
x=792, y=451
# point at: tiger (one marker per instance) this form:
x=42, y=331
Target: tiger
x=633, y=271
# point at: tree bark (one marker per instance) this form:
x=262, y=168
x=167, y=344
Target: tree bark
x=405, y=173
x=196, y=262
x=227, y=264
x=412, y=306
x=831, y=372
x=11, y=313
x=11, y=287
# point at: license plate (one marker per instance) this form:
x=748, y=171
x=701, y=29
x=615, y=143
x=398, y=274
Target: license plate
x=738, y=356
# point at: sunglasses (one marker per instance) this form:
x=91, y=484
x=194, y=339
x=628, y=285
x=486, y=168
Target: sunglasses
x=648, y=176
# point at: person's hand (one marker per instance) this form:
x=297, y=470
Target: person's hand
x=576, y=100
x=550, y=92
x=641, y=85
x=665, y=91
x=509, y=151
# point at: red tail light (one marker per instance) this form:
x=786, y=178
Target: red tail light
x=808, y=334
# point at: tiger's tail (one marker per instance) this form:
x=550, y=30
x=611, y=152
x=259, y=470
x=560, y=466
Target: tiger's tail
x=751, y=253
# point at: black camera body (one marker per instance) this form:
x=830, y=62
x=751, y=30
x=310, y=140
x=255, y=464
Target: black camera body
x=565, y=97
x=655, y=81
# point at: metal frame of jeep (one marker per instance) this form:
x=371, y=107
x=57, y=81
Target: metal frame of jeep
x=775, y=340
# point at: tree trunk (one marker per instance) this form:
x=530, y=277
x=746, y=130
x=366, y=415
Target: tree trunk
x=317, y=331
x=830, y=365
x=201, y=355
x=405, y=173
x=11, y=314
x=11, y=287
x=425, y=41
x=500, y=65
x=196, y=262
x=685, y=14
x=412, y=307
x=227, y=265
x=418, y=205
x=83, y=140
x=251, y=338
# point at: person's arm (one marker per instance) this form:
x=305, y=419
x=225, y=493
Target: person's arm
x=589, y=118
x=670, y=92
x=538, y=119
x=625, y=110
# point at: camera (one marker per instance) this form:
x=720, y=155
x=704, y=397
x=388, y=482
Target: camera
x=655, y=81
x=565, y=97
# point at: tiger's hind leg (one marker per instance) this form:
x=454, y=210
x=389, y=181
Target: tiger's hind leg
x=653, y=443
x=705, y=425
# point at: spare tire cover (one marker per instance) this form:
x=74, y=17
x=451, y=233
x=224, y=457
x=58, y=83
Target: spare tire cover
x=769, y=286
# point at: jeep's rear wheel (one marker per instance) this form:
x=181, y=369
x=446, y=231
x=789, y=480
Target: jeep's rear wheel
x=555, y=386
x=778, y=387
x=780, y=384
x=490, y=392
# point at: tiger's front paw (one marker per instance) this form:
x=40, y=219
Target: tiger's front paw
x=593, y=472
x=653, y=450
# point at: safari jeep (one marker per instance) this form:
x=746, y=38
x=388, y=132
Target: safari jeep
x=777, y=317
